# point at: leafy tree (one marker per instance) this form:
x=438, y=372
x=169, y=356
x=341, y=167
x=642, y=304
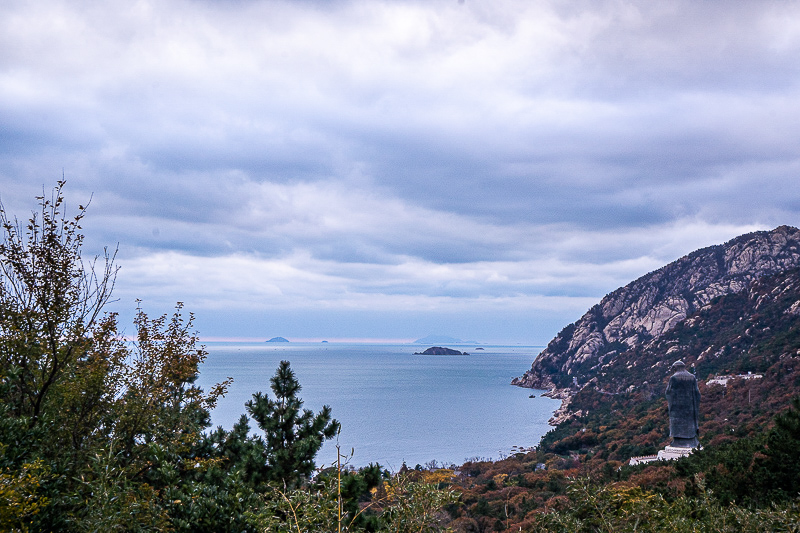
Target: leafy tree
x=50, y=304
x=153, y=430
x=59, y=354
x=91, y=431
x=19, y=500
x=162, y=405
x=293, y=435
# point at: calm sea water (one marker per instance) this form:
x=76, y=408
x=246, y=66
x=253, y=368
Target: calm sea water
x=394, y=406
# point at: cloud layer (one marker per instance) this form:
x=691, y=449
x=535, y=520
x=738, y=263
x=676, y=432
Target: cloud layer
x=486, y=168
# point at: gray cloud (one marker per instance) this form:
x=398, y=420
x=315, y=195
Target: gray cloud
x=407, y=154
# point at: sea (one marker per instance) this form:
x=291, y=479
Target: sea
x=394, y=407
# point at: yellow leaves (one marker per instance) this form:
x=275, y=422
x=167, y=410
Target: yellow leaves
x=438, y=476
x=630, y=496
x=500, y=479
x=388, y=490
x=203, y=465
x=18, y=498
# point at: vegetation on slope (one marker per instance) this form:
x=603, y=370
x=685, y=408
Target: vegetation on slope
x=750, y=433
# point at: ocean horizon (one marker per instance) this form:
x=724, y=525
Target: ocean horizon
x=394, y=407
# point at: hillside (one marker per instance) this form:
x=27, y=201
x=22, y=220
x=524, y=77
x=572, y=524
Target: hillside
x=642, y=312
x=755, y=332
x=748, y=466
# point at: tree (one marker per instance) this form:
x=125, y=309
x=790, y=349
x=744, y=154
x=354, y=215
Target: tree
x=293, y=437
x=242, y=479
x=59, y=353
x=50, y=304
x=782, y=463
x=161, y=405
x=91, y=431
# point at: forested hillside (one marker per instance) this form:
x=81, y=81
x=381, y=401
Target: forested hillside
x=753, y=335
x=744, y=348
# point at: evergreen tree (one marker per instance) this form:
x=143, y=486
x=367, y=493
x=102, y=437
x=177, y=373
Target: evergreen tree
x=293, y=435
x=783, y=454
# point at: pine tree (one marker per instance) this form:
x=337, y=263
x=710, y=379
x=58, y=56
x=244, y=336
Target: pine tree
x=783, y=453
x=293, y=435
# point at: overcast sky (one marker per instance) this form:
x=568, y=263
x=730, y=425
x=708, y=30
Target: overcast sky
x=484, y=169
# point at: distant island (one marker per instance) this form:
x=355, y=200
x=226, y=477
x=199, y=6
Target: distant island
x=278, y=339
x=438, y=350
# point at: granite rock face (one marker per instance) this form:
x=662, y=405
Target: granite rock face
x=652, y=305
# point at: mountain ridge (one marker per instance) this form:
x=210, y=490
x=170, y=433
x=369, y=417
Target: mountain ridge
x=645, y=309
x=744, y=349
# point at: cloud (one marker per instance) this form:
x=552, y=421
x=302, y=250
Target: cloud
x=402, y=154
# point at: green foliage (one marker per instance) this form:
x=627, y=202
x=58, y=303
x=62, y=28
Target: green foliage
x=755, y=470
x=97, y=434
x=415, y=505
x=783, y=453
x=109, y=498
x=622, y=508
x=19, y=495
x=164, y=411
x=728, y=470
x=97, y=423
x=407, y=505
x=50, y=304
x=315, y=508
x=293, y=435
x=357, y=488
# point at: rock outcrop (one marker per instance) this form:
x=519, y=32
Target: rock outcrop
x=438, y=350
x=654, y=304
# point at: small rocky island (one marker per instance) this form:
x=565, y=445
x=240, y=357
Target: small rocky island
x=438, y=350
x=278, y=339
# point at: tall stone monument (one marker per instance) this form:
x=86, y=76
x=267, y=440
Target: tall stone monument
x=683, y=399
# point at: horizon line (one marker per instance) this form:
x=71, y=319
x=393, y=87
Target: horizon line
x=355, y=340
x=350, y=340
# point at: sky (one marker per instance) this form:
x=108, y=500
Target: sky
x=390, y=169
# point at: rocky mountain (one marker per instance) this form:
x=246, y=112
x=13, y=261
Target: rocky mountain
x=643, y=311
x=744, y=348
